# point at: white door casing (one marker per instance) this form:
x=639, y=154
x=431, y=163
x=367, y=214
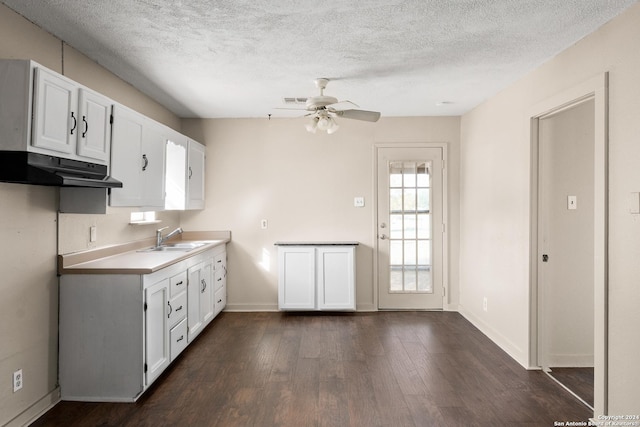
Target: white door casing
x=410, y=235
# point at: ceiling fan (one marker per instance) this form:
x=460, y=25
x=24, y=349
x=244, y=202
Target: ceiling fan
x=324, y=109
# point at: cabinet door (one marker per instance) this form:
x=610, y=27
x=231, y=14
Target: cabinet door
x=94, y=127
x=176, y=172
x=207, y=292
x=296, y=278
x=195, y=175
x=194, y=286
x=153, y=155
x=157, y=346
x=126, y=157
x=336, y=277
x=55, y=121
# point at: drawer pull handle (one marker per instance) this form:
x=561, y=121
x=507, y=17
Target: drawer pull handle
x=170, y=309
x=219, y=279
x=179, y=308
x=220, y=300
x=179, y=283
x=204, y=285
x=180, y=339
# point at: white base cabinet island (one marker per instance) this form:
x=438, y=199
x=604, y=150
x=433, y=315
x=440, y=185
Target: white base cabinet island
x=119, y=332
x=316, y=276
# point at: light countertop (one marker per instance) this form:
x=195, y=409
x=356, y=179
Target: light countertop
x=127, y=258
x=316, y=243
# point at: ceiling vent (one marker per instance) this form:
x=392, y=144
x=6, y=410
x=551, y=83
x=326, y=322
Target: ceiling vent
x=294, y=101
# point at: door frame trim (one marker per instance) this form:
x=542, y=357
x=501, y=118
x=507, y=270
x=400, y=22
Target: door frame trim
x=445, y=215
x=595, y=88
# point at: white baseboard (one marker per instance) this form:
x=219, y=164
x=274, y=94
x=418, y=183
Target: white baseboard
x=246, y=308
x=571, y=360
x=36, y=410
x=500, y=340
x=251, y=307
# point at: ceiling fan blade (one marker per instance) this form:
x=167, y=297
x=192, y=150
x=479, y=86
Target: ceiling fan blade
x=342, y=105
x=367, y=116
x=289, y=108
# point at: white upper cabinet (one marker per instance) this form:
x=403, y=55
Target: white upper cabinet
x=185, y=173
x=176, y=174
x=51, y=114
x=94, y=134
x=55, y=121
x=195, y=175
x=137, y=160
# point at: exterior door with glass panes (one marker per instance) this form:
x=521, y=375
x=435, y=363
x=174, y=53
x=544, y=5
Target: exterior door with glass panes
x=410, y=228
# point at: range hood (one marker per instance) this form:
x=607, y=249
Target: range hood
x=23, y=167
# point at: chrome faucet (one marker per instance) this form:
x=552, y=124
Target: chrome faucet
x=160, y=238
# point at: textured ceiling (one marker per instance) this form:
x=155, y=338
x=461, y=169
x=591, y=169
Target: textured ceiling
x=239, y=58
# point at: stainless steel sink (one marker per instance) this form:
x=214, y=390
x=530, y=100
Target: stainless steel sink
x=175, y=247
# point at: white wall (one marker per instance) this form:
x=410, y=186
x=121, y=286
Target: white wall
x=30, y=234
x=494, y=204
x=304, y=185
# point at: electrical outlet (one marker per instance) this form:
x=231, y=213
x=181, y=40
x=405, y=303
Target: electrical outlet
x=484, y=304
x=93, y=233
x=17, y=380
x=264, y=224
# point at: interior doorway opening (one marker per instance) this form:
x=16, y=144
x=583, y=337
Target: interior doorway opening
x=592, y=95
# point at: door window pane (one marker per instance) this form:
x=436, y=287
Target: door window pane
x=410, y=227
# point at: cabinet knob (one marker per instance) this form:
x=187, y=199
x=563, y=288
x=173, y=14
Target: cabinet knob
x=383, y=237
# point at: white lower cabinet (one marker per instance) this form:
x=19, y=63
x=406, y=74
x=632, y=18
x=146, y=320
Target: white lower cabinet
x=203, y=295
x=119, y=332
x=318, y=276
x=220, y=282
x=156, y=326
x=200, y=297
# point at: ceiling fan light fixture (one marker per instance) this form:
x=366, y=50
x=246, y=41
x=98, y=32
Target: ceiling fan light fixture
x=313, y=126
x=334, y=127
x=324, y=122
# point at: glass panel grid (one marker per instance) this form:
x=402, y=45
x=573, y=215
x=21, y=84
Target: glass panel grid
x=410, y=227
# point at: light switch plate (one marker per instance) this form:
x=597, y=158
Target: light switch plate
x=572, y=202
x=358, y=202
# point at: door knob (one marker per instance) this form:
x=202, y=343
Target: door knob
x=383, y=225
x=383, y=237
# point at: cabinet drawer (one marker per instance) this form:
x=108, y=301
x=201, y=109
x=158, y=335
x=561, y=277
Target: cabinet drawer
x=219, y=279
x=178, y=283
x=177, y=309
x=220, y=300
x=178, y=338
x=219, y=261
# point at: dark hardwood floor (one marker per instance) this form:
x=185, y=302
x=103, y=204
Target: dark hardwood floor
x=578, y=380
x=364, y=369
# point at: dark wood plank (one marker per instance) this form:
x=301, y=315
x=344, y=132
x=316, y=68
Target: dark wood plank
x=578, y=380
x=360, y=369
